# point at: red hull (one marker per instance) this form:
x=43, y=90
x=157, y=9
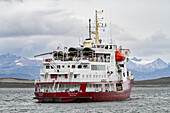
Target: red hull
x=86, y=96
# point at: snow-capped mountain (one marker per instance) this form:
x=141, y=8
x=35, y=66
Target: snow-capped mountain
x=143, y=70
x=9, y=60
x=146, y=66
x=169, y=63
x=14, y=66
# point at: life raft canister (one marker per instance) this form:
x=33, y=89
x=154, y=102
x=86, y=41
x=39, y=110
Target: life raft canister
x=119, y=56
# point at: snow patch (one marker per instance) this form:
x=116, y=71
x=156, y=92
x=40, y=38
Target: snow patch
x=20, y=64
x=35, y=58
x=17, y=61
x=142, y=62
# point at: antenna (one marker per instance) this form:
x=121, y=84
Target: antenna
x=90, y=28
x=110, y=27
x=79, y=41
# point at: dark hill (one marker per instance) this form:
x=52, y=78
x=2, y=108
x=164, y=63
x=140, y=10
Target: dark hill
x=155, y=82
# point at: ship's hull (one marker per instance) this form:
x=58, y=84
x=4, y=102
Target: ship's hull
x=86, y=96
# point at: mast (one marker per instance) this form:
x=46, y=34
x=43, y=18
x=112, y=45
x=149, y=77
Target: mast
x=96, y=29
x=98, y=25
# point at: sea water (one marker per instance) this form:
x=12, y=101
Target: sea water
x=143, y=100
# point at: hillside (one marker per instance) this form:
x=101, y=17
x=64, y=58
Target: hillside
x=12, y=66
x=16, y=83
x=154, y=82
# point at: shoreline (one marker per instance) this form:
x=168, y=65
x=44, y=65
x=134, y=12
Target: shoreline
x=23, y=83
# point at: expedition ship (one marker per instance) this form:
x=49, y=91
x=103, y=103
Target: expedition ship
x=92, y=72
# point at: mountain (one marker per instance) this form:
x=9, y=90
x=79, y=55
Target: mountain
x=143, y=70
x=146, y=66
x=136, y=59
x=17, y=75
x=13, y=66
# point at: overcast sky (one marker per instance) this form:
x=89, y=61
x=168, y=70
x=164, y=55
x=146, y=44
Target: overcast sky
x=30, y=27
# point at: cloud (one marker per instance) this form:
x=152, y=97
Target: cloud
x=156, y=45
x=29, y=27
x=31, y=18
x=32, y=45
x=121, y=34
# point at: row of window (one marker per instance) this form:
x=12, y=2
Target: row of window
x=106, y=46
x=93, y=76
x=94, y=85
x=66, y=76
x=76, y=76
x=69, y=66
x=97, y=67
x=93, y=67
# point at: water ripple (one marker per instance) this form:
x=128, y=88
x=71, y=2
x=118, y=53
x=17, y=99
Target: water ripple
x=143, y=100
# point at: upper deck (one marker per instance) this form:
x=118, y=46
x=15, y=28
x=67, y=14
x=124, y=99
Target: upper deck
x=91, y=62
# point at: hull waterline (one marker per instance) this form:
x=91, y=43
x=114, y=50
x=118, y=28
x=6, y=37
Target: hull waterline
x=86, y=96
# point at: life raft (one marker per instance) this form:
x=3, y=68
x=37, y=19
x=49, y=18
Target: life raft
x=119, y=56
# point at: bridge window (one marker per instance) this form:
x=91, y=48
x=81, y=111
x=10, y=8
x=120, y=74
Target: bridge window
x=106, y=47
x=85, y=66
x=97, y=67
x=47, y=67
x=73, y=66
x=110, y=47
x=79, y=66
x=75, y=76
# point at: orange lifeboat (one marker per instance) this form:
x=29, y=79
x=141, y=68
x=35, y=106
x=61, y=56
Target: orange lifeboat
x=119, y=56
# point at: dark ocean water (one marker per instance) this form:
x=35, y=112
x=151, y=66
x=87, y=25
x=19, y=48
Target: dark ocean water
x=143, y=100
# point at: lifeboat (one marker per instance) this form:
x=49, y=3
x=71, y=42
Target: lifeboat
x=119, y=56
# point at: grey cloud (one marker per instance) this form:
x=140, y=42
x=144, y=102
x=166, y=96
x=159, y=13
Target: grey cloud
x=120, y=34
x=32, y=45
x=155, y=45
x=19, y=21
x=11, y=0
